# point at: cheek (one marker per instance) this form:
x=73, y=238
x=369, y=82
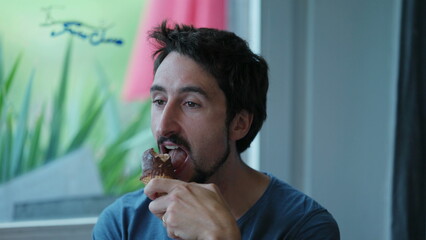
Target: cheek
x=154, y=123
x=209, y=135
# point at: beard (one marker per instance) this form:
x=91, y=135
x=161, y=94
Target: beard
x=202, y=170
x=201, y=175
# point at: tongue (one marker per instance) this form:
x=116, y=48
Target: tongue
x=178, y=156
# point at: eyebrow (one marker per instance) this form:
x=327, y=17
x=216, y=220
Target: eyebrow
x=156, y=88
x=193, y=89
x=186, y=89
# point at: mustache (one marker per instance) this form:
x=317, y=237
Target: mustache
x=174, y=138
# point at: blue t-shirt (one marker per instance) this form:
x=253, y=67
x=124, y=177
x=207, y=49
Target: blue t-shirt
x=281, y=213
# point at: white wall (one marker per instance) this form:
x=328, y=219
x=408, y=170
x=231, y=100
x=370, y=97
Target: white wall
x=330, y=128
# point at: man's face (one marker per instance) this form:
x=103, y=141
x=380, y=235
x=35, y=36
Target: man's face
x=188, y=118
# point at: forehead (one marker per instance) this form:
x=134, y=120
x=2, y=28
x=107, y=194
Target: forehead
x=177, y=71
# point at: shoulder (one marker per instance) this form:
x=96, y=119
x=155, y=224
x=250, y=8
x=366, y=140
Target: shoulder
x=318, y=224
x=309, y=220
x=127, y=203
x=114, y=220
x=294, y=202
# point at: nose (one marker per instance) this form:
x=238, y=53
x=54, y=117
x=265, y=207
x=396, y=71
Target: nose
x=166, y=120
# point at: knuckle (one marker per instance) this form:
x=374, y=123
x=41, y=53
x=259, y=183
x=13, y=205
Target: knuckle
x=171, y=218
x=172, y=207
x=151, y=206
x=212, y=187
x=183, y=187
x=179, y=191
x=170, y=233
x=154, y=181
x=173, y=197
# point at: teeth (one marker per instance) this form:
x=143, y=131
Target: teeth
x=171, y=147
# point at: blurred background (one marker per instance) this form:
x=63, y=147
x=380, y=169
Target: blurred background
x=75, y=117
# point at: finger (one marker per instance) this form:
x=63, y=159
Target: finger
x=210, y=186
x=171, y=234
x=160, y=185
x=163, y=218
x=213, y=190
x=158, y=206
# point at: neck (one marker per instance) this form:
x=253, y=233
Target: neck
x=240, y=185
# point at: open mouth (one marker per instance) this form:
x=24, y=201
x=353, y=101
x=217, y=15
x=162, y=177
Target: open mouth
x=177, y=154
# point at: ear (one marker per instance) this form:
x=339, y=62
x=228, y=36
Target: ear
x=240, y=125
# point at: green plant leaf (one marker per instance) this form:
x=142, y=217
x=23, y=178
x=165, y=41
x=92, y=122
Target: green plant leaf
x=111, y=113
x=7, y=148
x=4, y=144
x=112, y=164
x=5, y=85
x=1, y=62
x=59, y=109
x=33, y=158
x=87, y=126
x=12, y=73
x=21, y=131
x=91, y=104
x=3, y=122
x=132, y=129
x=112, y=169
x=144, y=136
x=131, y=182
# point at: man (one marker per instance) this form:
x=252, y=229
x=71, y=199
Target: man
x=208, y=104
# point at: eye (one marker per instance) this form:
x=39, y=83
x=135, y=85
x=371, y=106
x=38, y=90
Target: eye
x=191, y=104
x=158, y=102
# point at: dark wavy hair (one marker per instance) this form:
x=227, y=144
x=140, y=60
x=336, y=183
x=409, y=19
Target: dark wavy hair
x=241, y=74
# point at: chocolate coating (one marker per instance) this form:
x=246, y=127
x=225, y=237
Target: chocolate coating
x=156, y=165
